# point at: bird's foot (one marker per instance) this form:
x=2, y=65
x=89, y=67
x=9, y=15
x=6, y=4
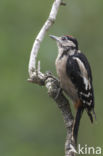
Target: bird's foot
x=58, y=93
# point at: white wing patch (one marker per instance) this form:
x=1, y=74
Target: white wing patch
x=85, y=82
x=83, y=72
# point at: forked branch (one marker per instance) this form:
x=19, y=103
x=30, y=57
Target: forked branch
x=50, y=82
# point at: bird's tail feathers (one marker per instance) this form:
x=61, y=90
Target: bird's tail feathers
x=77, y=123
x=78, y=118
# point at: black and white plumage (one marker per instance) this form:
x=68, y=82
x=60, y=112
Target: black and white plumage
x=75, y=76
x=79, y=71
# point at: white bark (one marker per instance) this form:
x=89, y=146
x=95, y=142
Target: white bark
x=49, y=81
x=36, y=45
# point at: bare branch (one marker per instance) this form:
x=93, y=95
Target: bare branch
x=51, y=19
x=50, y=81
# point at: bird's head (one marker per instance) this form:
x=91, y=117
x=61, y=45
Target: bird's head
x=66, y=42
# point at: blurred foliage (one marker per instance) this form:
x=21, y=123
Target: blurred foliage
x=30, y=122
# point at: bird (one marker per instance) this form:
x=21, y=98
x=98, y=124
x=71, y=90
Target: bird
x=75, y=76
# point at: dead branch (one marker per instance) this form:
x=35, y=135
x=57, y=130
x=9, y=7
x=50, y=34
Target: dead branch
x=50, y=82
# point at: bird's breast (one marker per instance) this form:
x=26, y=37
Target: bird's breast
x=65, y=81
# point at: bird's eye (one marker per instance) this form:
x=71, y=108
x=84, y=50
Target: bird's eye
x=63, y=38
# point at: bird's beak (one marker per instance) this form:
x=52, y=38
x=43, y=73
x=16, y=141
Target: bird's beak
x=55, y=38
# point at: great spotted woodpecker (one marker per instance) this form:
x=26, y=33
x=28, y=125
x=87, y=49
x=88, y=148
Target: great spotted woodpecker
x=75, y=77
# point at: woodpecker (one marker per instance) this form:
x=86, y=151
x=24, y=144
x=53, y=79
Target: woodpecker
x=74, y=73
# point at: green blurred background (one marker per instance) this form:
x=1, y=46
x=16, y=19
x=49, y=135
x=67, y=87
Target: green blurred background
x=30, y=122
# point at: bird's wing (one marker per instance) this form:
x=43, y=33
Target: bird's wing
x=78, y=70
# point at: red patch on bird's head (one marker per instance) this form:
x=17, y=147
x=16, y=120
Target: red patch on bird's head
x=69, y=36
